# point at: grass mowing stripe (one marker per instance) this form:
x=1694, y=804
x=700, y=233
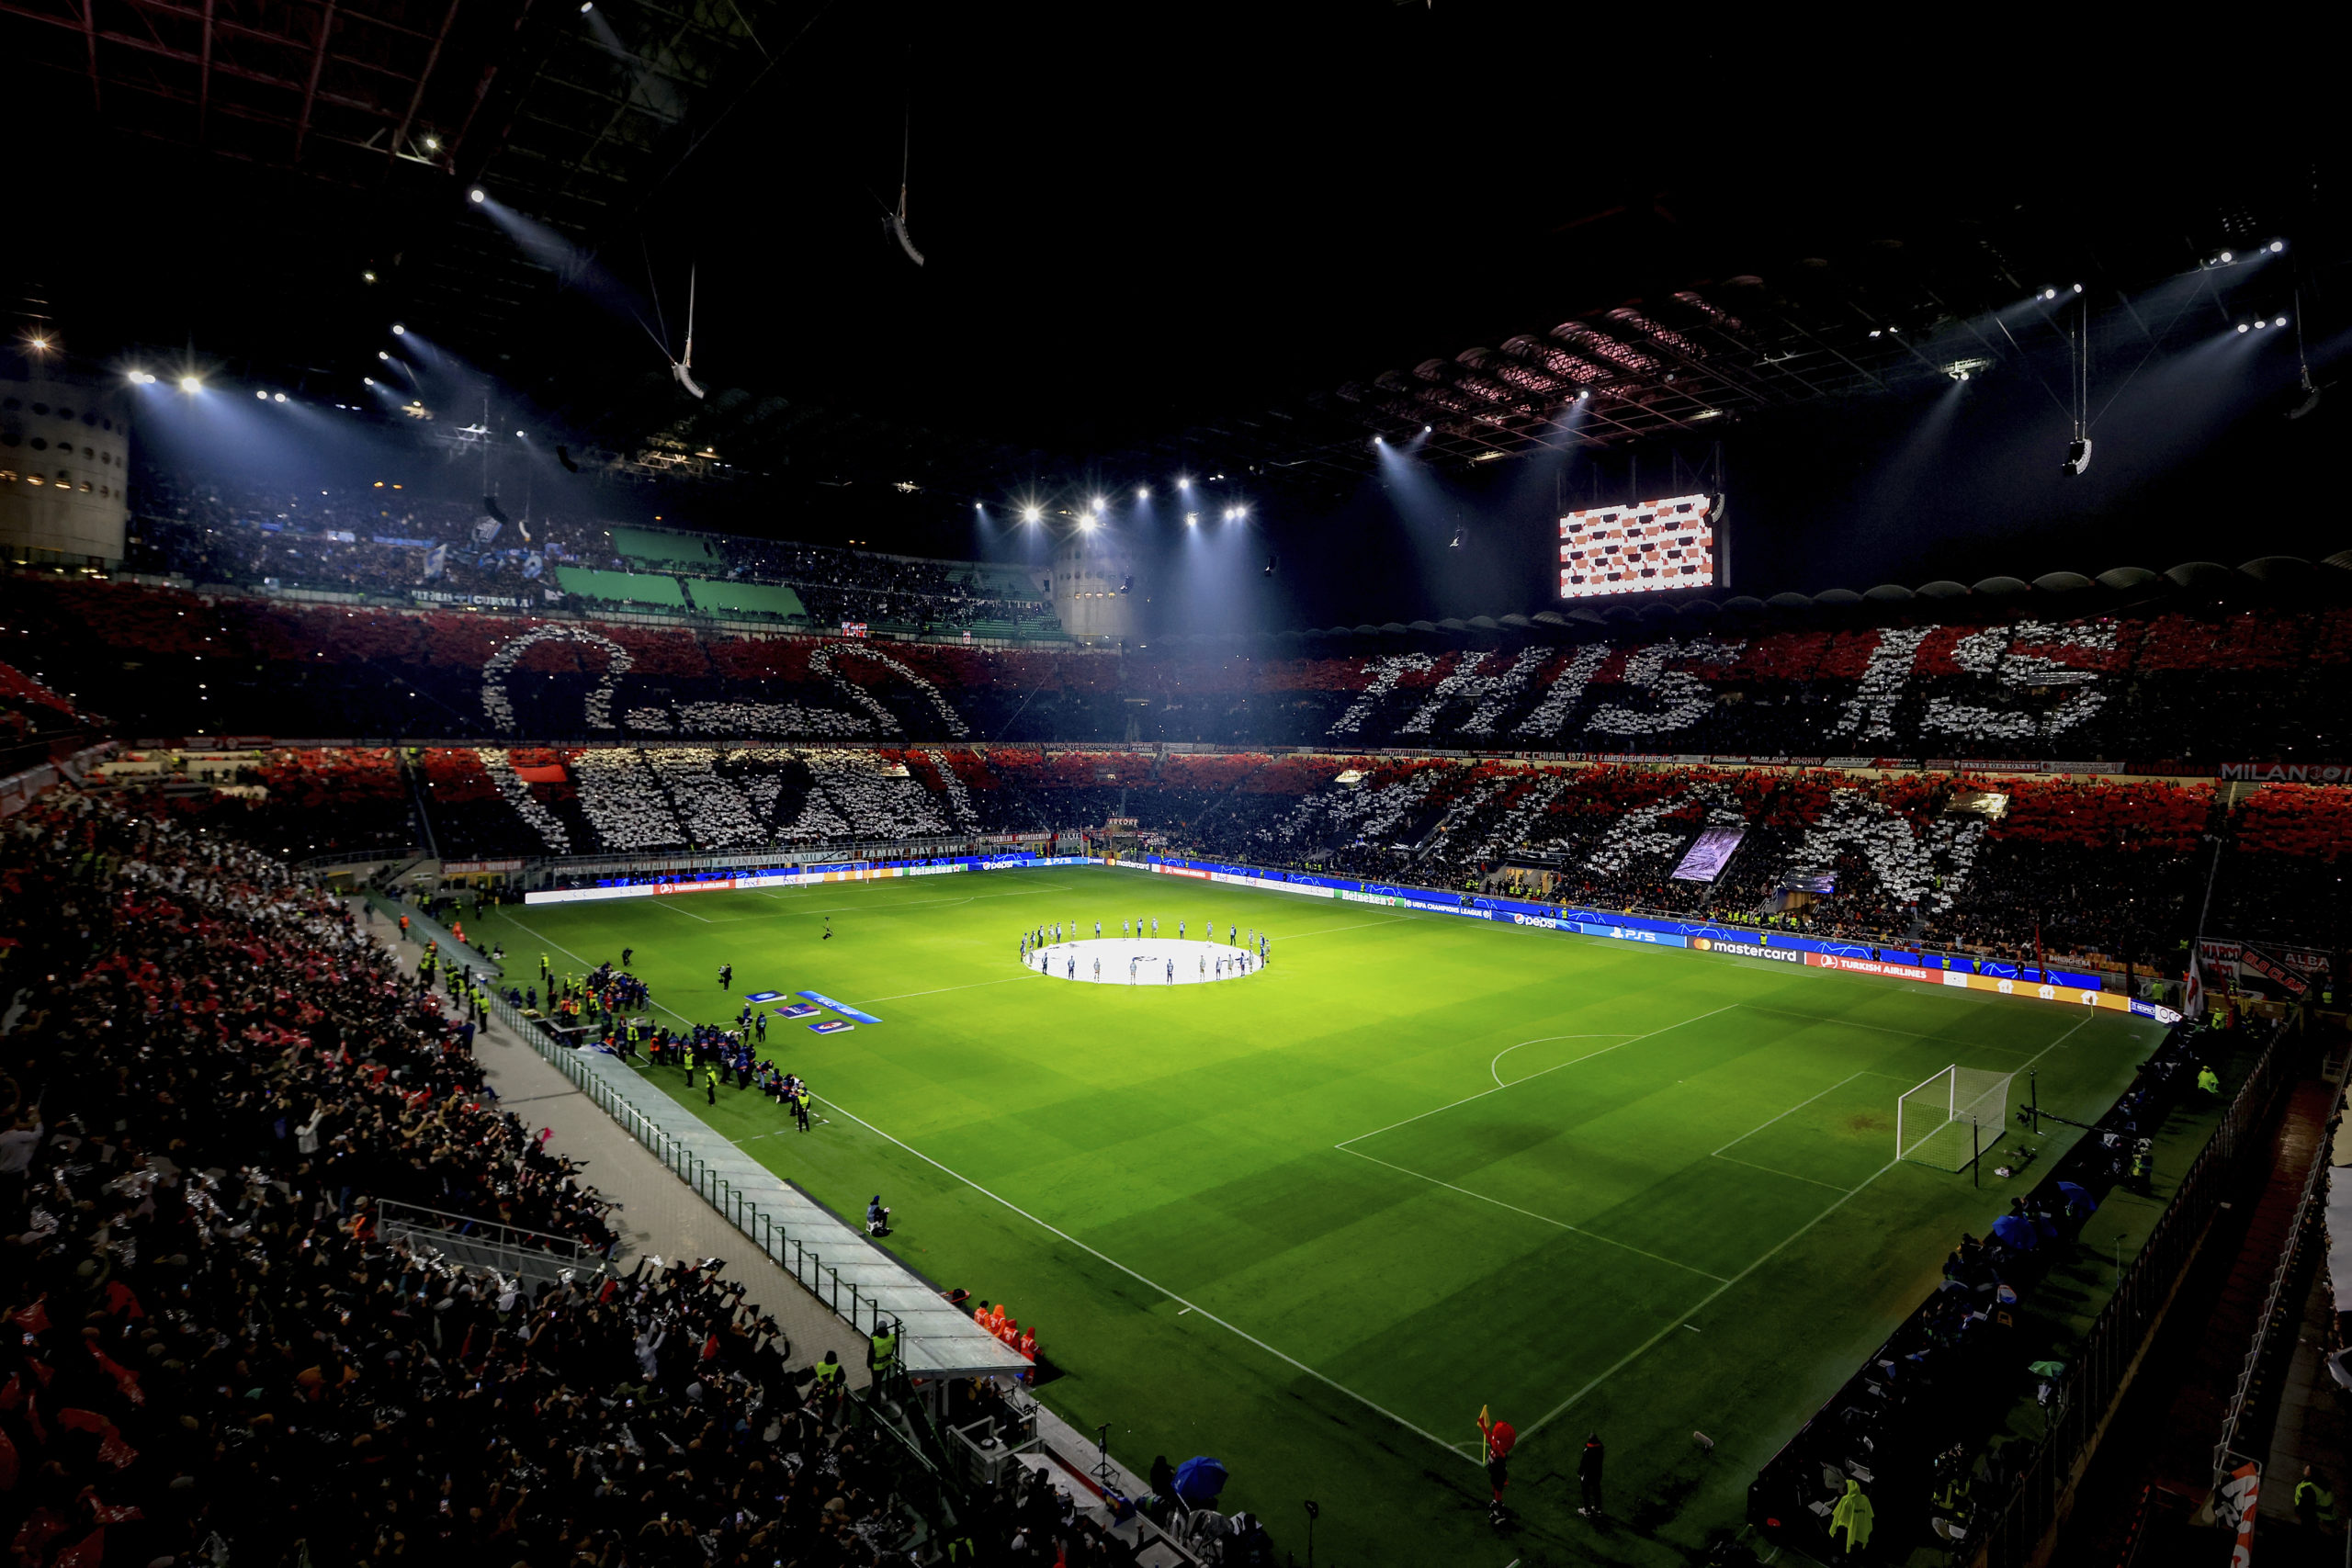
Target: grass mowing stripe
x=1638, y=1351
x=1580, y=1230
x=1539, y=1039
x=1801, y=1104
x=1589, y=1056
x=1878, y=1028
x=1189, y=1306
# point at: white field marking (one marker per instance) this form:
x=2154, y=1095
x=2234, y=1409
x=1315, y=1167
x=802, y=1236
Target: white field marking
x=1801, y=1104
x=2030, y=1061
x=1704, y=1301
x=1327, y=930
x=672, y=904
x=1768, y=1170
x=975, y=986
x=1562, y=1224
x=550, y=942
x=1538, y=1041
x=1190, y=1306
x=1881, y=1028
x=901, y=904
x=1530, y=1077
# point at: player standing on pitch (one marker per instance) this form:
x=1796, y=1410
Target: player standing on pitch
x=1500, y=1439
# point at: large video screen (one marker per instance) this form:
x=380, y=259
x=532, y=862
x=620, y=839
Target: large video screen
x=1639, y=549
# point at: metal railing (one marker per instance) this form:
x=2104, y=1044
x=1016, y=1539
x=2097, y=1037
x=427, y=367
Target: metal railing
x=2012, y=1531
x=2276, y=1315
x=760, y=1226
x=511, y=1250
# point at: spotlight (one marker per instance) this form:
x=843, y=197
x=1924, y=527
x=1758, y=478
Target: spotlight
x=138, y=377
x=1191, y=520
x=2050, y=294
x=1096, y=504
x=399, y=331
x=368, y=277
x=1143, y=493
x=477, y=195
x=586, y=6
x=1963, y=375
x=367, y=381
x=382, y=355
x=2280, y=322
x=2277, y=245
x=1030, y=514
x=1426, y=428
x=261, y=395
x=518, y=435
x=191, y=384
x=1087, y=522
x=278, y=398
x=1183, y=481
x=2228, y=257
x=2243, y=327
x=1874, y=331
x=2078, y=289
x=433, y=144
x=40, y=345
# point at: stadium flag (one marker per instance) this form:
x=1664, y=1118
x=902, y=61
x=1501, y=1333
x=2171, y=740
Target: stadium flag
x=486, y=530
x=2192, y=999
x=434, y=560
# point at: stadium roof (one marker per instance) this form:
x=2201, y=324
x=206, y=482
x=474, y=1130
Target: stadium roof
x=1235, y=243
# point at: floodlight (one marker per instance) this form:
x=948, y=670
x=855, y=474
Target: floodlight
x=191, y=384
x=518, y=435
x=2280, y=322
x=1030, y=514
x=2227, y=257
x=1096, y=504
x=399, y=331
x=1143, y=493
x=1874, y=331
x=381, y=355
x=2277, y=245
x=1183, y=481
x=2078, y=289
x=2243, y=327
x=368, y=380
x=2050, y=294
x=278, y=398
x=477, y=195
x=261, y=395
x=1086, y=523
x=1191, y=520
x=40, y=345
x=367, y=276
x=433, y=144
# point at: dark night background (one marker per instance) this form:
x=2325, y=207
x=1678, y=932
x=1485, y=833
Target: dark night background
x=1159, y=240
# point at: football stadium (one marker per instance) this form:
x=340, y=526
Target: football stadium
x=787, y=786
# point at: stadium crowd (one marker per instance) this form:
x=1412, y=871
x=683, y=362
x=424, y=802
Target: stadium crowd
x=212, y=1076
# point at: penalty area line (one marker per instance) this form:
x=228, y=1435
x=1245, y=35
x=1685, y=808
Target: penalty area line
x=1189, y=1306
x=1644, y=1348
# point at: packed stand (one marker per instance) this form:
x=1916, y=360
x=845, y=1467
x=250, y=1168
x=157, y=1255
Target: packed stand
x=213, y=1078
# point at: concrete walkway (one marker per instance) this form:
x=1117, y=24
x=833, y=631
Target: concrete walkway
x=661, y=1214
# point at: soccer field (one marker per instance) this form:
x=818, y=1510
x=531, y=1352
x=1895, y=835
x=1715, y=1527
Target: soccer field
x=1310, y=1219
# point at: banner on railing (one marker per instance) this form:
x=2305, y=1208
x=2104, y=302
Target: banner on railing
x=862, y=871
x=1950, y=969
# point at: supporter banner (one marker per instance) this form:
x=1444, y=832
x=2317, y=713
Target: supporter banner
x=1741, y=940
x=489, y=601
x=803, y=877
x=1709, y=854
x=2263, y=969
x=2289, y=773
x=469, y=867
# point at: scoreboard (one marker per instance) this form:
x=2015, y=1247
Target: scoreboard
x=1641, y=547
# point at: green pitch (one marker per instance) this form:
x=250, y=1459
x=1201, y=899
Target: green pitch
x=1311, y=1219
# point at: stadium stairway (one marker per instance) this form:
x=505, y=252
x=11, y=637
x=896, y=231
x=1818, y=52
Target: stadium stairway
x=2153, y=1477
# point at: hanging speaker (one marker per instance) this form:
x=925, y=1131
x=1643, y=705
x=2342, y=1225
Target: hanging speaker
x=2078, y=456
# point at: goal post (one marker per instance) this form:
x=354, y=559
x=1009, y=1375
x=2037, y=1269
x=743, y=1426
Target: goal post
x=1937, y=1123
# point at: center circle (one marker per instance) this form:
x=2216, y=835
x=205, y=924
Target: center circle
x=1123, y=960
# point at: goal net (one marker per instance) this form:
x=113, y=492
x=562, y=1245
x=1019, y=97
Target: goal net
x=1933, y=1122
